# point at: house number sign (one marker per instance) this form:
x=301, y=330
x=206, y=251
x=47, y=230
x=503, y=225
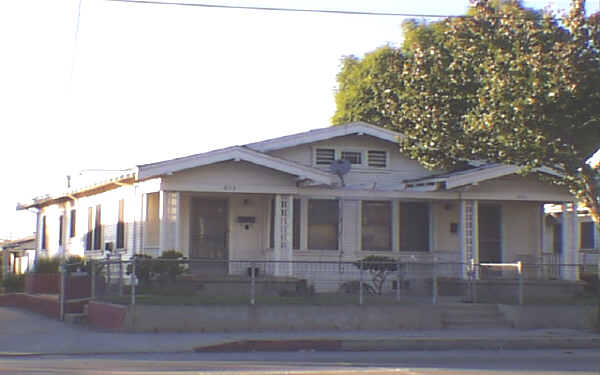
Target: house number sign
x=229, y=188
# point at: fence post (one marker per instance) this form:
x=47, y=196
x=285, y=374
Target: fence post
x=434, y=283
x=252, y=284
x=120, y=275
x=63, y=290
x=93, y=280
x=520, y=269
x=133, y=281
x=360, y=285
x=472, y=283
x=398, y=277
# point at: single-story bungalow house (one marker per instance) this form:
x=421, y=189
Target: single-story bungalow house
x=338, y=193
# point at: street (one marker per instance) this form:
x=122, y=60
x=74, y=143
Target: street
x=529, y=362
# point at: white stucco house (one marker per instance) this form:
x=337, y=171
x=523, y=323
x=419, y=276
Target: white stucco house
x=279, y=200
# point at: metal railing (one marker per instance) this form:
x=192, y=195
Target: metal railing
x=184, y=281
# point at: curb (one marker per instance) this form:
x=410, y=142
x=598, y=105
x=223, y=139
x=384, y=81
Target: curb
x=413, y=343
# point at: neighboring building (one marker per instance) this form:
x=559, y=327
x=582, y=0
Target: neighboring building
x=18, y=256
x=279, y=200
x=587, y=234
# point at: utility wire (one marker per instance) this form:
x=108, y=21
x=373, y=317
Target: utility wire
x=274, y=9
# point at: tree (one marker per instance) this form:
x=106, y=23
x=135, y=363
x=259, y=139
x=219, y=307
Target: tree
x=504, y=84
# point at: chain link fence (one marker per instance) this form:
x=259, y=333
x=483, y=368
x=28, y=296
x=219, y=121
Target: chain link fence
x=146, y=280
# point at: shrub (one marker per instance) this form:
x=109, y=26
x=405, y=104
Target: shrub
x=168, y=269
x=47, y=265
x=75, y=263
x=14, y=283
x=143, y=268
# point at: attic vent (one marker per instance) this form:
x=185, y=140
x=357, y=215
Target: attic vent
x=377, y=158
x=325, y=156
x=352, y=157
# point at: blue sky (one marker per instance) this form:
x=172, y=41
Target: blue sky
x=142, y=83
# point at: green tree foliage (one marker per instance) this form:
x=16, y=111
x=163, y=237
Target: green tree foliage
x=503, y=84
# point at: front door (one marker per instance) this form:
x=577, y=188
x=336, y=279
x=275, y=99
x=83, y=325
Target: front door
x=208, y=235
x=490, y=233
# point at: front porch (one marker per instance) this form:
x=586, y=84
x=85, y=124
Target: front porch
x=282, y=228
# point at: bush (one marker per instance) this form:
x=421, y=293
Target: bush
x=168, y=270
x=14, y=283
x=143, y=268
x=75, y=263
x=47, y=265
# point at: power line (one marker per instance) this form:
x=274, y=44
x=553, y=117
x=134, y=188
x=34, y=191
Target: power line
x=275, y=9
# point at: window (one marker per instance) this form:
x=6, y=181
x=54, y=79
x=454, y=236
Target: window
x=73, y=221
x=377, y=225
x=414, y=227
x=354, y=157
x=323, y=224
x=44, y=234
x=295, y=225
x=325, y=156
x=98, y=228
x=377, y=159
x=586, y=235
x=90, y=233
x=60, y=230
x=121, y=226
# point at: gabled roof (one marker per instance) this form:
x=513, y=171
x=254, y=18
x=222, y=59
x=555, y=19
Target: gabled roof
x=329, y=132
x=475, y=175
x=236, y=153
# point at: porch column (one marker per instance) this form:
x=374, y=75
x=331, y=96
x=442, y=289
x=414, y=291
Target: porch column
x=178, y=225
x=469, y=242
x=163, y=218
x=282, y=247
x=5, y=263
x=569, y=242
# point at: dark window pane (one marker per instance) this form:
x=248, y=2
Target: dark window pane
x=377, y=225
x=90, y=232
x=60, y=230
x=414, y=227
x=121, y=226
x=44, y=234
x=73, y=221
x=586, y=235
x=323, y=224
x=98, y=229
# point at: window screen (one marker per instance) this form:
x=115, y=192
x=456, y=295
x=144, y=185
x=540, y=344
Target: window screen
x=323, y=224
x=376, y=225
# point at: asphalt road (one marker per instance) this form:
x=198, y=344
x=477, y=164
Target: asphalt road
x=530, y=362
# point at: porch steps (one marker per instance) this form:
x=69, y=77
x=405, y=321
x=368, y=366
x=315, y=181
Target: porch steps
x=473, y=315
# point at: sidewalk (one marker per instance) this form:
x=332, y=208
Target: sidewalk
x=26, y=333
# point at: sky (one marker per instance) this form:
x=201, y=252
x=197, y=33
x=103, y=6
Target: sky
x=95, y=84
